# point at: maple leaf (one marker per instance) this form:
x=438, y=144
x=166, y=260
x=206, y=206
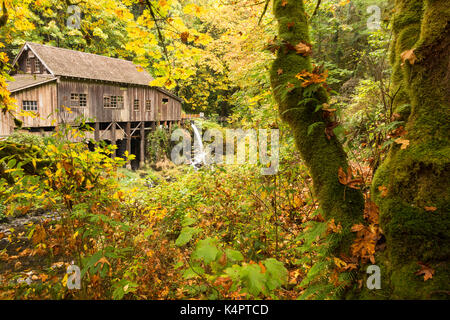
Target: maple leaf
x=408, y=55
x=426, y=270
x=346, y=178
x=102, y=260
x=303, y=48
x=430, y=208
x=403, y=142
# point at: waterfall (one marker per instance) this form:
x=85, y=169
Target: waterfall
x=199, y=152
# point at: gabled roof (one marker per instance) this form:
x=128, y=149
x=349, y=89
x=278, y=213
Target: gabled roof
x=62, y=62
x=24, y=81
x=77, y=64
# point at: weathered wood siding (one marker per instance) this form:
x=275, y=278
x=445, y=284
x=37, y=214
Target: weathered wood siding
x=45, y=95
x=95, y=110
x=22, y=63
x=6, y=125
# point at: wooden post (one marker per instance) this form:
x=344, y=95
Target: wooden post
x=128, y=133
x=113, y=137
x=153, y=126
x=97, y=132
x=142, y=149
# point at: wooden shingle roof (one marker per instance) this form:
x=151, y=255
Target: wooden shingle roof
x=24, y=81
x=77, y=64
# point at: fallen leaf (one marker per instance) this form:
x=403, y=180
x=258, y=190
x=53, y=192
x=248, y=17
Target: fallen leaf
x=426, y=270
x=280, y=71
x=430, y=208
x=403, y=142
x=408, y=55
x=284, y=3
x=303, y=48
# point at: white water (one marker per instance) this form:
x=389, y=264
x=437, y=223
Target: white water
x=199, y=153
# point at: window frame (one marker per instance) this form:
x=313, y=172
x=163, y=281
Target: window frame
x=30, y=105
x=148, y=105
x=136, y=105
x=114, y=102
x=106, y=102
x=37, y=65
x=78, y=100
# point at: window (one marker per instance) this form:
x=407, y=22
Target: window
x=83, y=100
x=113, y=102
x=74, y=100
x=120, y=102
x=28, y=105
x=148, y=105
x=106, y=102
x=78, y=100
x=136, y=105
x=28, y=65
x=37, y=66
x=165, y=101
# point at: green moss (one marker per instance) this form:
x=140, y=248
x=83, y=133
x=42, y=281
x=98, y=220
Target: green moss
x=418, y=176
x=322, y=156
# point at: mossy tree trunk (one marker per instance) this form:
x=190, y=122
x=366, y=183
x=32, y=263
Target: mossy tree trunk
x=414, y=210
x=323, y=156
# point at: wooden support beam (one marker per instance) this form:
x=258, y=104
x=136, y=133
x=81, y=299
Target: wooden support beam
x=97, y=132
x=153, y=126
x=142, y=148
x=113, y=138
x=128, y=137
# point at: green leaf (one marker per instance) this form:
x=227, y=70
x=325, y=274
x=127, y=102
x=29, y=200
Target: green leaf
x=313, y=126
x=234, y=255
x=276, y=273
x=193, y=272
x=206, y=250
x=186, y=235
x=253, y=279
x=188, y=222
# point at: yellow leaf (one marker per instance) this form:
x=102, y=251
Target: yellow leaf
x=403, y=142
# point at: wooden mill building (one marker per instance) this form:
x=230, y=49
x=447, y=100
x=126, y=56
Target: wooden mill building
x=60, y=85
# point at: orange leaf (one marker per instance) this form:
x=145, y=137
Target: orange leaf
x=303, y=48
x=426, y=270
x=284, y=3
x=383, y=191
x=102, y=260
x=403, y=142
x=280, y=71
x=357, y=227
x=430, y=208
x=408, y=55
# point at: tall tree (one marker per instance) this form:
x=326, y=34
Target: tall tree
x=411, y=186
x=301, y=103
